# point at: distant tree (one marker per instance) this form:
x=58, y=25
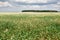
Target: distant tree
x=39, y=11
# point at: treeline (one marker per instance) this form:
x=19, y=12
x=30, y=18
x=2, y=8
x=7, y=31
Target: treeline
x=39, y=11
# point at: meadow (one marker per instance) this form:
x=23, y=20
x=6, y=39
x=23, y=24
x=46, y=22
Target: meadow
x=30, y=26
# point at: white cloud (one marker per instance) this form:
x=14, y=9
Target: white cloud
x=5, y=4
x=16, y=5
x=58, y=2
x=55, y=5
x=32, y=7
x=33, y=1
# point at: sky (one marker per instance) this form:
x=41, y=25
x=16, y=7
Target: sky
x=19, y=5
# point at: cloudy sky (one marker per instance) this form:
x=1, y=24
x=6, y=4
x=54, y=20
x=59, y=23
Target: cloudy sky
x=18, y=5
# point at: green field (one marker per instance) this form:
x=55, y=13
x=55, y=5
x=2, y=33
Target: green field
x=30, y=26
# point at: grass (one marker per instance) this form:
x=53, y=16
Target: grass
x=30, y=26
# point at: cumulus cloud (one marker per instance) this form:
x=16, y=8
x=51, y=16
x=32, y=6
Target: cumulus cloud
x=58, y=2
x=32, y=7
x=56, y=6
x=16, y=5
x=5, y=4
x=33, y=1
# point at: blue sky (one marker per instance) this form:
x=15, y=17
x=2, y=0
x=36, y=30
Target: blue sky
x=18, y=5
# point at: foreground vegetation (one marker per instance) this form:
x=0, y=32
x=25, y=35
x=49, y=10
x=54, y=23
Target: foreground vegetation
x=30, y=27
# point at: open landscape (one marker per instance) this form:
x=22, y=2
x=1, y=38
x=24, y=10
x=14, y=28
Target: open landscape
x=29, y=26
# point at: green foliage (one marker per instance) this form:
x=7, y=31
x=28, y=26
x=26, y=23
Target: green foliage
x=39, y=11
x=29, y=27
